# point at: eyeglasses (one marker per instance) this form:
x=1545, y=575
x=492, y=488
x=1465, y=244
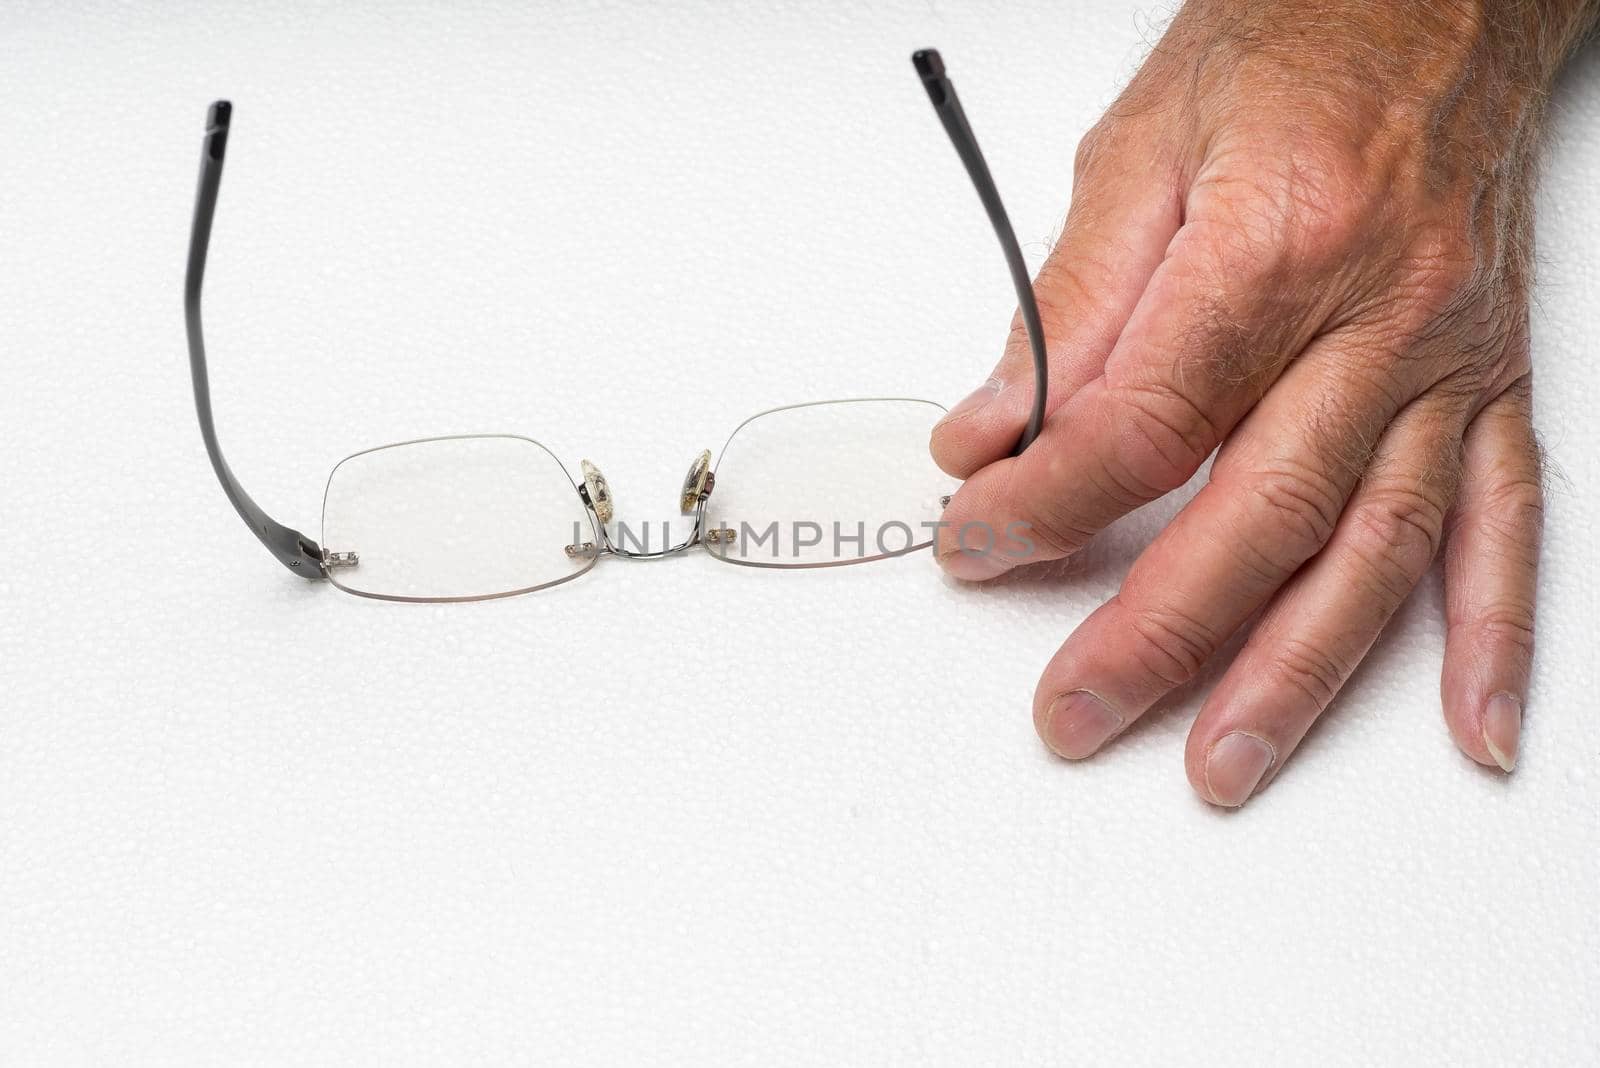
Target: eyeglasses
x=475, y=517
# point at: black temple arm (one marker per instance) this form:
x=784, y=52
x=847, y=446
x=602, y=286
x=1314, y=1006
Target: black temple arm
x=946, y=103
x=294, y=550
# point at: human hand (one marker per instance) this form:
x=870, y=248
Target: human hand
x=1301, y=237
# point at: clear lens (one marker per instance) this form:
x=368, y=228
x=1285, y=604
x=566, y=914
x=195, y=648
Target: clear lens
x=454, y=519
x=837, y=482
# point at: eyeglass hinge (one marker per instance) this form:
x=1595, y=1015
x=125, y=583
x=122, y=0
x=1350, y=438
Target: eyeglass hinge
x=333, y=559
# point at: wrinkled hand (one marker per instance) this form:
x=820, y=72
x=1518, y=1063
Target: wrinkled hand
x=1301, y=238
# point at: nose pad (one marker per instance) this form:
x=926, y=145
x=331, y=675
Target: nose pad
x=697, y=484
x=595, y=493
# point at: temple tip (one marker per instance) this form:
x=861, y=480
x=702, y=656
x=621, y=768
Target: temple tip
x=931, y=68
x=217, y=116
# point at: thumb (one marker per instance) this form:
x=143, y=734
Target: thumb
x=1115, y=236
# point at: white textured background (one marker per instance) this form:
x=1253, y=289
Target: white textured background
x=674, y=812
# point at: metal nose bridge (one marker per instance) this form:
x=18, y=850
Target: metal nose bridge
x=595, y=493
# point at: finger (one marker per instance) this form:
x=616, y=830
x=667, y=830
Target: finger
x=1491, y=567
x=1273, y=500
x=1116, y=230
x=1325, y=619
x=1210, y=334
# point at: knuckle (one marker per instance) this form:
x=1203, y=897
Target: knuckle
x=1518, y=394
x=1055, y=533
x=1321, y=209
x=1055, y=523
x=1394, y=535
x=1513, y=508
x=1316, y=670
x=1507, y=624
x=1017, y=342
x=1173, y=645
x=1232, y=252
x=1063, y=288
x=1502, y=526
x=1446, y=256
x=1160, y=438
x=1311, y=203
x=1442, y=283
x=1515, y=356
x=1293, y=507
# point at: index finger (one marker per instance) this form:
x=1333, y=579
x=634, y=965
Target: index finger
x=1209, y=335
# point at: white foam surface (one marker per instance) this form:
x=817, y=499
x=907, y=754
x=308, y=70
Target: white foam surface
x=674, y=812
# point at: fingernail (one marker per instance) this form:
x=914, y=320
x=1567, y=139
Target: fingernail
x=974, y=400
x=971, y=566
x=1502, y=729
x=1234, y=767
x=1078, y=723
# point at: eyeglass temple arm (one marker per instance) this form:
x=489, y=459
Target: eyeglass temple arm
x=293, y=549
x=948, y=106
